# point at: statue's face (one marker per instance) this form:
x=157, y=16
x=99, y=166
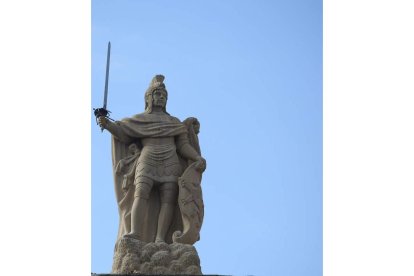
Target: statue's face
x=159, y=98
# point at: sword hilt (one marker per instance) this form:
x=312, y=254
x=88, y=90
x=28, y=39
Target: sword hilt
x=99, y=112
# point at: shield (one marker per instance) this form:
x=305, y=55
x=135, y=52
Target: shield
x=190, y=201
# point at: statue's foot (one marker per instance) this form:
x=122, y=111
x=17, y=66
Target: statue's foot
x=159, y=240
x=132, y=236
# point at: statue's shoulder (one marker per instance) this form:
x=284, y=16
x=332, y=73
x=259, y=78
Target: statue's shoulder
x=174, y=119
x=142, y=115
x=151, y=118
x=137, y=117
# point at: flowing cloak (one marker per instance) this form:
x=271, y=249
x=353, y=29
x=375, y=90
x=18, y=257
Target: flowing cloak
x=145, y=125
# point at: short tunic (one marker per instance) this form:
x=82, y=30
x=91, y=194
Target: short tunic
x=159, y=163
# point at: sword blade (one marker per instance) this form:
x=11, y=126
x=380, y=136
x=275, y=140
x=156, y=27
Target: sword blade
x=107, y=75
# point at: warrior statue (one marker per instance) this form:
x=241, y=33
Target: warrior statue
x=157, y=168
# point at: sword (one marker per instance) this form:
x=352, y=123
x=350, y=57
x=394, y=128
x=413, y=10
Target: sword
x=103, y=111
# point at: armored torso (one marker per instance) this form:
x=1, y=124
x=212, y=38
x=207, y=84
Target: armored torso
x=159, y=160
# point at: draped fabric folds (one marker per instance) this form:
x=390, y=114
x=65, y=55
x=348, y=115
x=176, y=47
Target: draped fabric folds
x=144, y=125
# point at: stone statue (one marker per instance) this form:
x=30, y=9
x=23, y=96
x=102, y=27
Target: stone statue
x=157, y=168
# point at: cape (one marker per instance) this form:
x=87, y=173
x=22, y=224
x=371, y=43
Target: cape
x=139, y=126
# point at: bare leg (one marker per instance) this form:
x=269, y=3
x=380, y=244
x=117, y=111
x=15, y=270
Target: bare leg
x=168, y=197
x=164, y=221
x=139, y=208
x=138, y=211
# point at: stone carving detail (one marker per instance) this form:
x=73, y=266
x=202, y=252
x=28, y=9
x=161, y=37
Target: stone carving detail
x=157, y=168
x=134, y=256
x=191, y=204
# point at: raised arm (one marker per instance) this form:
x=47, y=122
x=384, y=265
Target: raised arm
x=114, y=129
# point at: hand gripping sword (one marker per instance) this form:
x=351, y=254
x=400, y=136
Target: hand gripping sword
x=103, y=111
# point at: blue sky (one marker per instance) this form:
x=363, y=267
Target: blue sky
x=368, y=153
x=251, y=72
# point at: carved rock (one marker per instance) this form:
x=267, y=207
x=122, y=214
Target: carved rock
x=134, y=256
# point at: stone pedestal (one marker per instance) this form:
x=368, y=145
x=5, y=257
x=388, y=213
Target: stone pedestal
x=134, y=256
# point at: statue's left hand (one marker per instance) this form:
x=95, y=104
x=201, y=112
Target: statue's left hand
x=201, y=164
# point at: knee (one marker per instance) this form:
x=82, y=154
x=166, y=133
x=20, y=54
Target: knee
x=169, y=193
x=143, y=189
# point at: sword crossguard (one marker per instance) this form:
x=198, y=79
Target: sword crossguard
x=99, y=112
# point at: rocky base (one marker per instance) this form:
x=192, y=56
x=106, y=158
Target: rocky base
x=134, y=256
